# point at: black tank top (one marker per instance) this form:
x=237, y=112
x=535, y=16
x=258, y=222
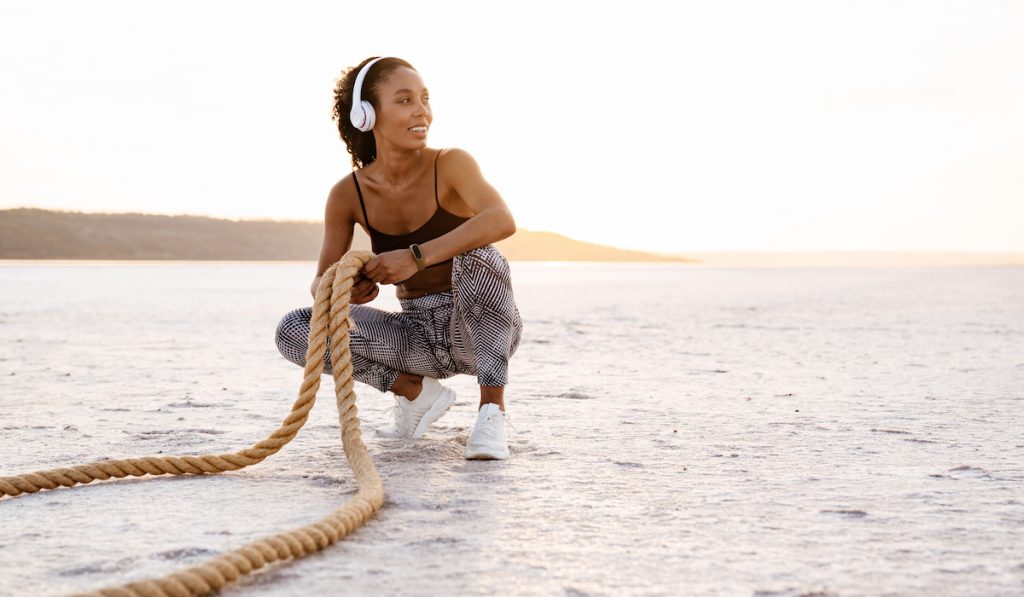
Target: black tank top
x=442, y=222
x=433, y=278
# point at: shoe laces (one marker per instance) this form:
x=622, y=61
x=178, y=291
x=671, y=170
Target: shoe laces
x=501, y=413
x=396, y=411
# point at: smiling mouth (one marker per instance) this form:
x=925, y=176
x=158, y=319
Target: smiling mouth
x=418, y=129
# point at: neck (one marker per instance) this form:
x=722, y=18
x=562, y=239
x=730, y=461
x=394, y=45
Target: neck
x=394, y=166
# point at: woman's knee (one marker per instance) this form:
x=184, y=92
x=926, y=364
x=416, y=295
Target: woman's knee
x=482, y=260
x=292, y=334
x=517, y=332
x=482, y=276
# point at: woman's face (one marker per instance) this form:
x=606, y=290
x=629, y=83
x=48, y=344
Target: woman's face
x=404, y=116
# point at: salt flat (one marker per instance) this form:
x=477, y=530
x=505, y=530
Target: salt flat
x=678, y=429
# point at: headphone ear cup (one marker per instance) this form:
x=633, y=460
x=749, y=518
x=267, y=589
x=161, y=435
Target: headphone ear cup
x=356, y=117
x=371, y=116
x=363, y=117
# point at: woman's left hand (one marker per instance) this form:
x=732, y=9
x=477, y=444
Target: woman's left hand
x=391, y=267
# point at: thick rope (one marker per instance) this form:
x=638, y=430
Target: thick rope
x=332, y=296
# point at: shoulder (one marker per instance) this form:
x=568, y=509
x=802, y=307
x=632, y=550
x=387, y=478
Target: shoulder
x=458, y=163
x=345, y=187
x=455, y=156
x=342, y=197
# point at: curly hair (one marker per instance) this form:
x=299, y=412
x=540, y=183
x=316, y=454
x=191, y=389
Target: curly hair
x=361, y=146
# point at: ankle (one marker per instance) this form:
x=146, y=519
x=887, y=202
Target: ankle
x=492, y=395
x=408, y=387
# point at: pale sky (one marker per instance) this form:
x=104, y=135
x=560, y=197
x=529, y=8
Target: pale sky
x=662, y=126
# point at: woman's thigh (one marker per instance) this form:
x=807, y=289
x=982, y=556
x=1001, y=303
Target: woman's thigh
x=403, y=341
x=485, y=325
x=485, y=316
x=398, y=340
x=292, y=335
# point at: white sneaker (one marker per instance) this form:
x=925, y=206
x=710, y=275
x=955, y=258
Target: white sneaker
x=412, y=417
x=488, y=440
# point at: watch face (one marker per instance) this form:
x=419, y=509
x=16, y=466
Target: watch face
x=416, y=251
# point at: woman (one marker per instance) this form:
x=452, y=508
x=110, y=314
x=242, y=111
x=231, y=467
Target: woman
x=431, y=218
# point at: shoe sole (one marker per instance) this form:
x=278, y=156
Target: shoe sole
x=481, y=455
x=437, y=409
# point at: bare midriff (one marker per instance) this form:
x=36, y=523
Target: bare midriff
x=434, y=279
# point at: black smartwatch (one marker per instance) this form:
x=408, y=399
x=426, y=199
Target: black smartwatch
x=417, y=254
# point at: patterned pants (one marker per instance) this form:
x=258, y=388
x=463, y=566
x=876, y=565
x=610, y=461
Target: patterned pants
x=473, y=329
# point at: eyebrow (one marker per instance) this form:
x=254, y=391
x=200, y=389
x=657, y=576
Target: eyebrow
x=407, y=90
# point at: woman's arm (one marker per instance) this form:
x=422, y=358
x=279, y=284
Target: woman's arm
x=338, y=230
x=492, y=221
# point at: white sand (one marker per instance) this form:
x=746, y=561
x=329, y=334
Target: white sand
x=679, y=430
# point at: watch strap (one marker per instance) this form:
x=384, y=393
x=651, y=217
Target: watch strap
x=417, y=254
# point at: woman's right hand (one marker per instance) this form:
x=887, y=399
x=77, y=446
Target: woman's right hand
x=364, y=290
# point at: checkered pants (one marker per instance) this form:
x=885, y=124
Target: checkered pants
x=473, y=329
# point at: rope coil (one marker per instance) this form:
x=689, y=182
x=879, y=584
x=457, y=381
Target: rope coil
x=332, y=299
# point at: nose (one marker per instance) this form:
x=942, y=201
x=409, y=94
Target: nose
x=422, y=108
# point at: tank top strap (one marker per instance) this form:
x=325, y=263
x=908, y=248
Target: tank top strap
x=436, y=200
x=361, y=204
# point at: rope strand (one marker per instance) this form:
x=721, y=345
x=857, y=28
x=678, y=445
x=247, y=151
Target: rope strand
x=332, y=297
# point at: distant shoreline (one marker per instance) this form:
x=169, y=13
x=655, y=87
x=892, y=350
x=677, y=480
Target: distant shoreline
x=1013, y=261
x=856, y=259
x=39, y=235
x=30, y=233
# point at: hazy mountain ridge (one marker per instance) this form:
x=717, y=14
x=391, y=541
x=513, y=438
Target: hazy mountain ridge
x=29, y=233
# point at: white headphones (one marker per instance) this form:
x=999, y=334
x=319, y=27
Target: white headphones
x=362, y=115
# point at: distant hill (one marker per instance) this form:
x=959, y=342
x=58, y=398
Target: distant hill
x=529, y=245
x=28, y=233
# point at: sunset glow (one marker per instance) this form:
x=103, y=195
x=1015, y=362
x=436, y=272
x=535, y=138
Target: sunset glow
x=743, y=126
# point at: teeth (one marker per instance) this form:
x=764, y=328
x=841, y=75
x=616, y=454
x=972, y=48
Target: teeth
x=419, y=129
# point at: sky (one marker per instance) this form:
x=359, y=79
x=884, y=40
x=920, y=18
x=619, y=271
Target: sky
x=659, y=126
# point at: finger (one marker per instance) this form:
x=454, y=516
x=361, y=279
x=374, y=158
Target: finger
x=364, y=298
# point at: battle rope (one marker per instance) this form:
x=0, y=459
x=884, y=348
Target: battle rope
x=332, y=295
